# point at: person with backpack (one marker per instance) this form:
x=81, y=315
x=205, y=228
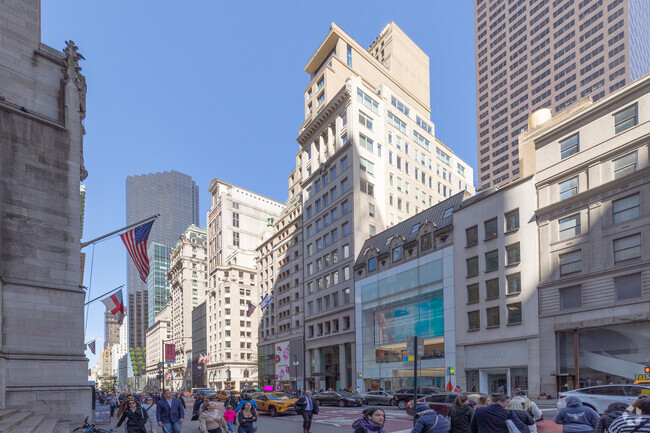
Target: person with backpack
x=576, y=418
x=613, y=411
x=429, y=421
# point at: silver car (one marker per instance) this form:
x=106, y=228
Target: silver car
x=380, y=397
x=599, y=397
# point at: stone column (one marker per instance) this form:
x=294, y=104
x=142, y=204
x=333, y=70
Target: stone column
x=331, y=139
x=343, y=366
x=317, y=368
x=307, y=368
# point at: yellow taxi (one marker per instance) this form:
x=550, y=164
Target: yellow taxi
x=223, y=395
x=643, y=379
x=275, y=403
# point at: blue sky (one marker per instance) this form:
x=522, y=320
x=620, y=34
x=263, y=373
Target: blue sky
x=208, y=87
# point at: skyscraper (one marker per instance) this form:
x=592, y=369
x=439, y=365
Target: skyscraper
x=548, y=54
x=175, y=197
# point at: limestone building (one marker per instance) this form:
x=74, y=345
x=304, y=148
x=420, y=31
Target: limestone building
x=404, y=286
x=236, y=220
x=42, y=107
x=592, y=177
x=368, y=159
x=549, y=54
x=157, y=335
x=188, y=282
x=496, y=268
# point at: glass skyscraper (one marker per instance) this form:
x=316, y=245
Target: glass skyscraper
x=175, y=197
x=157, y=284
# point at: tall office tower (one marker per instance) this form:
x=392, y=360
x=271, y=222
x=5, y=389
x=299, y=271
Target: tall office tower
x=173, y=195
x=236, y=220
x=157, y=284
x=280, y=276
x=548, y=54
x=188, y=282
x=111, y=330
x=368, y=159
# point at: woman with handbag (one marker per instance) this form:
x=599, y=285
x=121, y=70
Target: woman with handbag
x=210, y=420
x=429, y=421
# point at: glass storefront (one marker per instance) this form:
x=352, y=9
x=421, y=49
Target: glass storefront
x=606, y=355
x=494, y=380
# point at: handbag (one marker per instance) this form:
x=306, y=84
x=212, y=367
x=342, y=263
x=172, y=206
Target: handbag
x=433, y=426
x=512, y=428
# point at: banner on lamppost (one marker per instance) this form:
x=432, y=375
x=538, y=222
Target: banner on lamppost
x=170, y=353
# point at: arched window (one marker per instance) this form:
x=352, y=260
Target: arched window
x=246, y=373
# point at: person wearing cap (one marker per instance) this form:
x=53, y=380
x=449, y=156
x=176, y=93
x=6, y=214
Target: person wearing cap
x=429, y=421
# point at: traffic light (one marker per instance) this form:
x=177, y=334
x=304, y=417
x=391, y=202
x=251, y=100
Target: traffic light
x=647, y=369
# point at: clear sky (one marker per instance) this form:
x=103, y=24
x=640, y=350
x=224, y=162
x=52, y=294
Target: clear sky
x=215, y=89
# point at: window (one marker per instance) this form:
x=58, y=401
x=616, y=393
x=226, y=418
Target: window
x=624, y=165
x=309, y=212
x=344, y=163
x=321, y=98
x=570, y=297
x=372, y=230
x=442, y=156
x=460, y=169
x=570, y=262
x=491, y=229
x=627, y=248
x=628, y=286
x=421, y=140
x=415, y=227
x=472, y=266
x=397, y=254
x=346, y=251
x=235, y=219
x=235, y=239
x=472, y=235
x=472, y=293
x=345, y=185
x=366, y=166
x=396, y=122
x=367, y=187
x=473, y=320
x=569, y=146
x=569, y=226
x=345, y=207
x=349, y=55
x=513, y=283
x=367, y=101
x=514, y=313
x=625, y=119
x=318, y=205
x=447, y=213
x=492, y=289
x=365, y=120
x=512, y=220
x=491, y=260
x=569, y=188
x=493, y=319
x=320, y=83
x=346, y=229
x=626, y=208
x=371, y=209
x=513, y=254
x=397, y=104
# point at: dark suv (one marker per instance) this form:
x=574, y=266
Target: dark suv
x=404, y=395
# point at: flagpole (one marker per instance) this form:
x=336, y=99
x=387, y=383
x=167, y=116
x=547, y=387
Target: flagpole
x=101, y=296
x=85, y=244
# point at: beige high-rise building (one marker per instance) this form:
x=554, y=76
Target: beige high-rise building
x=188, y=282
x=111, y=330
x=531, y=55
x=368, y=159
x=236, y=220
x=157, y=335
x=280, y=276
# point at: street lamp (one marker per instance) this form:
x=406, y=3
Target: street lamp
x=295, y=364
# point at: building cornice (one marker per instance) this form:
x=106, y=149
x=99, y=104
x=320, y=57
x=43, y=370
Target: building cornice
x=324, y=115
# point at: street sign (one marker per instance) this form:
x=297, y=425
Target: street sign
x=410, y=343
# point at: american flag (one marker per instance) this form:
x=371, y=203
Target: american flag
x=135, y=241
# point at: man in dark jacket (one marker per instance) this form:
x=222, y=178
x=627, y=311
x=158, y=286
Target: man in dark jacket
x=429, y=421
x=307, y=407
x=576, y=418
x=492, y=418
x=613, y=411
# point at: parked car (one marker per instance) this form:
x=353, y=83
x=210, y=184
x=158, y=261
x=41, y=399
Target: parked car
x=404, y=395
x=599, y=397
x=275, y=403
x=380, y=397
x=339, y=398
x=441, y=403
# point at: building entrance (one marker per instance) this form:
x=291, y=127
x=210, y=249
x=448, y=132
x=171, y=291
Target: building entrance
x=497, y=382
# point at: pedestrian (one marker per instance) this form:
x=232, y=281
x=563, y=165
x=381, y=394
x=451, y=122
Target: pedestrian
x=150, y=407
x=502, y=390
x=123, y=406
x=205, y=399
x=196, y=408
x=634, y=407
x=246, y=398
x=460, y=415
x=637, y=423
x=247, y=417
x=231, y=401
x=371, y=421
x=137, y=418
x=483, y=401
x=518, y=409
x=429, y=421
x=179, y=396
x=613, y=411
x=530, y=407
x=210, y=420
x=358, y=390
x=169, y=413
x=307, y=407
x=112, y=401
x=493, y=418
x=576, y=418
x=229, y=415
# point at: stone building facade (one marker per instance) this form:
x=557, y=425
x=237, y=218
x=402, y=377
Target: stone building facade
x=43, y=104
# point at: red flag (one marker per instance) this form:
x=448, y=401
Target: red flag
x=135, y=241
x=115, y=305
x=449, y=386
